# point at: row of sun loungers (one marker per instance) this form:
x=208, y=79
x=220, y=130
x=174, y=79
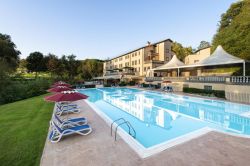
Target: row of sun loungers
x=60, y=127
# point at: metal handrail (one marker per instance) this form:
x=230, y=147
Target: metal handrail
x=132, y=129
x=129, y=127
x=119, y=124
x=111, y=128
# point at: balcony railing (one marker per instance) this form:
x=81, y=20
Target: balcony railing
x=151, y=79
x=240, y=80
x=175, y=79
x=212, y=79
x=120, y=73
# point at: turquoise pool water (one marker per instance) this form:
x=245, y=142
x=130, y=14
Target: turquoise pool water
x=159, y=117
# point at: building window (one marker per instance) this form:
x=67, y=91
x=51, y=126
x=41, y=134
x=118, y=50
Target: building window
x=148, y=68
x=139, y=61
x=207, y=87
x=145, y=68
x=196, y=61
x=138, y=52
x=138, y=69
x=135, y=62
x=132, y=63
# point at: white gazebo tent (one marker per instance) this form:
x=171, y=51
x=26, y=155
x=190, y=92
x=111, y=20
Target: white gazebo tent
x=220, y=57
x=174, y=63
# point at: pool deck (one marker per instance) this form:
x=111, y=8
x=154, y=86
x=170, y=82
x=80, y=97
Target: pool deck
x=100, y=149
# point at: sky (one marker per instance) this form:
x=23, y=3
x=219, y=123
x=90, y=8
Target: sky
x=106, y=28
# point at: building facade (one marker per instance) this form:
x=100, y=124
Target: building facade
x=198, y=56
x=139, y=61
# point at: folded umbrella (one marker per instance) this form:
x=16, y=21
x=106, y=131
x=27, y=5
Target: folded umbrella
x=59, y=89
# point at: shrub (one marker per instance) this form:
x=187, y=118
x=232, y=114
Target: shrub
x=145, y=85
x=122, y=83
x=217, y=93
x=106, y=85
x=22, y=89
x=89, y=86
x=132, y=83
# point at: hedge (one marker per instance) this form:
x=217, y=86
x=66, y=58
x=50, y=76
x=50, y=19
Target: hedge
x=217, y=93
x=22, y=89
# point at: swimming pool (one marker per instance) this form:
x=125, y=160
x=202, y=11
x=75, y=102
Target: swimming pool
x=161, y=119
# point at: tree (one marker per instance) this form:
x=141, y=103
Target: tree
x=9, y=55
x=70, y=66
x=203, y=44
x=54, y=65
x=234, y=30
x=91, y=68
x=35, y=62
x=180, y=51
x=23, y=65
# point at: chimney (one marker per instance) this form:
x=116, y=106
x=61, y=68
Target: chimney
x=148, y=42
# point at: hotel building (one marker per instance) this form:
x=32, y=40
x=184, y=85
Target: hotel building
x=198, y=56
x=136, y=63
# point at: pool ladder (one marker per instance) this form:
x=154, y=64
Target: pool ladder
x=122, y=122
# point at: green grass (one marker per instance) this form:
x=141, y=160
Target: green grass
x=23, y=131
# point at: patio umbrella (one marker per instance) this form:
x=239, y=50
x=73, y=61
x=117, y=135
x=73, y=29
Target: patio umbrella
x=61, y=84
x=66, y=96
x=59, y=89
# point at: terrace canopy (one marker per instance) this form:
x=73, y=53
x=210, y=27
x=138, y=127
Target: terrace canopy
x=219, y=57
x=174, y=63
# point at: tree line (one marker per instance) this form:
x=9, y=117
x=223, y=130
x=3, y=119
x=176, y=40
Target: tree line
x=66, y=67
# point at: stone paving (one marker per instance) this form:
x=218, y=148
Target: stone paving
x=100, y=149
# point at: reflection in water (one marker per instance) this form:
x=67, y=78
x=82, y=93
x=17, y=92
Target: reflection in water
x=162, y=110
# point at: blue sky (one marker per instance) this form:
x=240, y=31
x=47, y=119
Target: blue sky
x=106, y=28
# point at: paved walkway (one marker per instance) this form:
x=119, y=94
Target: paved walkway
x=100, y=149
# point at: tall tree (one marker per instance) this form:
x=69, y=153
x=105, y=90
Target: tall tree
x=35, y=62
x=73, y=65
x=54, y=65
x=23, y=65
x=203, y=44
x=180, y=51
x=91, y=68
x=9, y=55
x=234, y=30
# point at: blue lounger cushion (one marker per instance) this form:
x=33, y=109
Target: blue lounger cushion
x=70, y=122
x=57, y=132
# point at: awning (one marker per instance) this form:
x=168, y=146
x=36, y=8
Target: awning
x=172, y=64
x=219, y=57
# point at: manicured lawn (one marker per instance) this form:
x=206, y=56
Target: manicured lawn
x=23, y=131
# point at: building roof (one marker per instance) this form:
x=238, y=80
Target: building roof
x=173, y=63
x=139, y=49
x=202, y=49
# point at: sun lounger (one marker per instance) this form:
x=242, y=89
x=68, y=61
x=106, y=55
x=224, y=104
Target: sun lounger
x=60, y=111
x=167, y=88
x=71, y=122
x=57, y=133
x=69, y=105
